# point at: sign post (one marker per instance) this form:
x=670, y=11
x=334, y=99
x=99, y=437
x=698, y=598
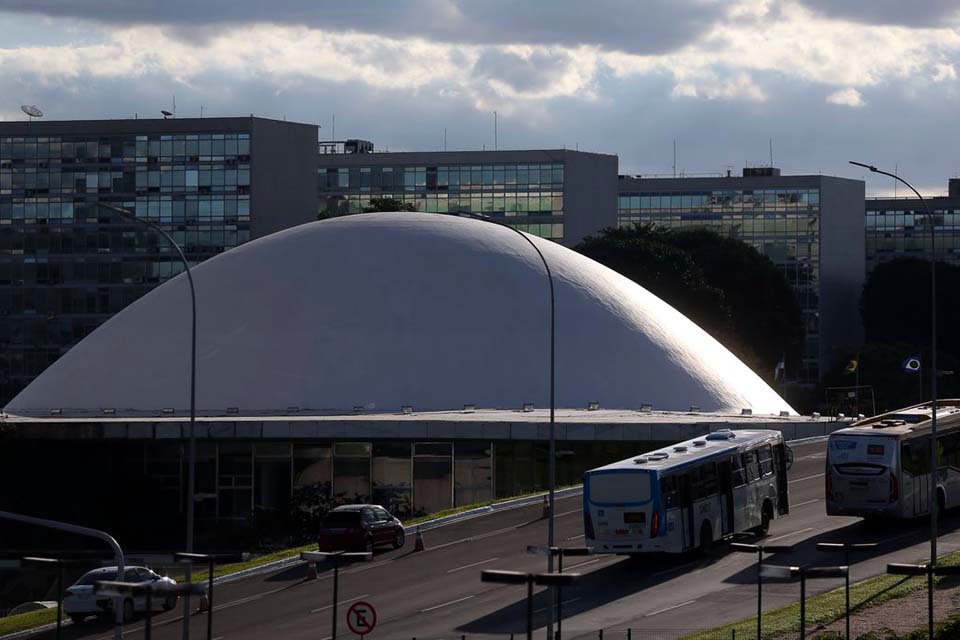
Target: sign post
x=361, y=618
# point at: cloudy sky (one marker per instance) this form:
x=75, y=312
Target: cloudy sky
x=826, y=80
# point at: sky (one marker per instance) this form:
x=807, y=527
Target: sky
x=820, y=81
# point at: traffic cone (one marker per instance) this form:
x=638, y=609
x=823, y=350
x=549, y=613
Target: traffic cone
x=311, y=571
x=419, y=546
x=546, y=508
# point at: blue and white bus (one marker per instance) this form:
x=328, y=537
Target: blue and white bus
x=688, y=495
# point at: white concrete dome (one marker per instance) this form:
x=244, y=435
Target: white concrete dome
x=391, y=309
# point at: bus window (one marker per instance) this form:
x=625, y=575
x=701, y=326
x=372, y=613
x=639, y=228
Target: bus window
x=708, y=479
x=906, y=458
x=766, y=460
x=751, y=465
x=921, y=456
x=737, y=470
x=671, y=498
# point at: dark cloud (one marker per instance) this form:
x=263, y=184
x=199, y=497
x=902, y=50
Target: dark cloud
x=928, y=13
x=538, y=71
x=654, y=26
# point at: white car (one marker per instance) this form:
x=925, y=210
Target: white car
x=81, y=602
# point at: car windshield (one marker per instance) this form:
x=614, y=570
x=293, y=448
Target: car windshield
x=96, y=576
x=341, y=519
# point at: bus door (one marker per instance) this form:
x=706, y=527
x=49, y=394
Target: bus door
x=918, y=451
x=686, y=509
x=781, y=462
x=726, y=495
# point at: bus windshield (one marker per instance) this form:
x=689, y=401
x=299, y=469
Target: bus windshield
x=619, y=487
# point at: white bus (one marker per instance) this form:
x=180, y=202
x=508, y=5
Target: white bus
x=688, y=495
x=880, y=467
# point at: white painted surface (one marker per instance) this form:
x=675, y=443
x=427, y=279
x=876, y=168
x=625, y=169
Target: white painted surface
x=389, y=309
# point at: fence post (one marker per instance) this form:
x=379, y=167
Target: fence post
x=600, y=634
x=629, y=633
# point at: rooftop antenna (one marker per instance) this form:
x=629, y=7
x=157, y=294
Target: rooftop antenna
x=771, y=152
x=495, y=141
x=174, y=105
x=166, y=114
x=674, y=157
x=333, y=130
x=201, y=111
x=444, y=138
x=32, y=111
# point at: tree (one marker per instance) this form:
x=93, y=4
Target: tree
x=895, y=304
x=764, y=307
x=643, y=254
x=388, y=204
x=722, y=284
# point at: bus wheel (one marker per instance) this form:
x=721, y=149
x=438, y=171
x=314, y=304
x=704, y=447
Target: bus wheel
x=765, y=518
x=706, y=538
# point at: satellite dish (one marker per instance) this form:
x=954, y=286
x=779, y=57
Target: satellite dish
x=166, y=114
x=31, y=110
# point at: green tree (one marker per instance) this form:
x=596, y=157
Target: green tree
x=388, y=204
x=895, y=304
x=722, y=284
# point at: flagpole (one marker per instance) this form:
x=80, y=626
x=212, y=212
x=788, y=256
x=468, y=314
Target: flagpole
x=856, y=388
x=783, y=374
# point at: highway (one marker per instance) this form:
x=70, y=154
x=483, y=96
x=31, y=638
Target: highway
x=438, y=594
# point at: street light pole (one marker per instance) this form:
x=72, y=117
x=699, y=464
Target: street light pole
x=932, y=496
x=552, y=453
x=192, y=445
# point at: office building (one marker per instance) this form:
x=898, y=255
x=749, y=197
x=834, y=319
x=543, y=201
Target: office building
x=67, y=265
x=557, y=194
x=898, y=227
x=811, y=226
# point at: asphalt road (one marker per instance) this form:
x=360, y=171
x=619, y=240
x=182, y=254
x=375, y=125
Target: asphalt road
x=438, y=593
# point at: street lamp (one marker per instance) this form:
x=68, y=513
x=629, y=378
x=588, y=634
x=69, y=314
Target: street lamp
x=192, y=447
x=932, y=494
x=847, y=547
x=759, y=549
x=561, y=553
x=552, y=455
x=313, y=557
x=530, y=579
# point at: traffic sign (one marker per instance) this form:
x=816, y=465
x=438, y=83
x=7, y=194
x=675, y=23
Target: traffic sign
x=361, y=618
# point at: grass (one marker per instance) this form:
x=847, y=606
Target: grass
x=23, y=621
x=829, y=607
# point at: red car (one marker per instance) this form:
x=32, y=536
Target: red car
x=359, y=527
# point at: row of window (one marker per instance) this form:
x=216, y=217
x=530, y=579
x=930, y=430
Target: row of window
x=544, y=203
x=126, y=149
x=442, y=178
x=162, y=208
x=722, y=200
x=910, y=220
x=206, y=239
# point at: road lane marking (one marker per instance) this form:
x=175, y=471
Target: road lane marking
x=816, y=475
x=676, y=606
x=562, y=603
x=575, y=537
x=573, y=566
x=446, y=604
x=566, y=513
x=330, y=606
x=805, y=503
x=467, y=566
x=788, y=535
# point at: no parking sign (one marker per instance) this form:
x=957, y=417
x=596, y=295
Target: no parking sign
x=361, y=618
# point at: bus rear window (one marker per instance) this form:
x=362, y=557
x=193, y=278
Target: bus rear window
x=619, y=487
x=874, y=449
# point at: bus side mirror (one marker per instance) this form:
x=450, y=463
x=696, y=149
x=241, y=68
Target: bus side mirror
x=789, y=456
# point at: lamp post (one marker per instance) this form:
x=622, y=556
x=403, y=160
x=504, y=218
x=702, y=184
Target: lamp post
x=846, y=547
x=335, y=556
x=552, y=454
x=530, y=579
x=192, y=446
x=759, y=549
x=932, y=491
x=191, y=557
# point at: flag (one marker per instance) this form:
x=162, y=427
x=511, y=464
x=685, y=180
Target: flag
x=779, y=370
x=911, y=364
x=851, y=367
